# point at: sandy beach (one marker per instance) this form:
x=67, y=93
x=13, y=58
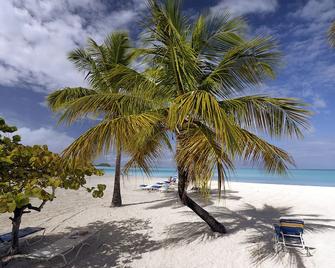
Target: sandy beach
x=153, y=229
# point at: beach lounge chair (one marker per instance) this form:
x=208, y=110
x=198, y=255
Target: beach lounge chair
x=74, y=242
x=288, y=234
x=5, y=239
x=153, y=187
x=150, y=187
x=166, y=188
x=22, y=233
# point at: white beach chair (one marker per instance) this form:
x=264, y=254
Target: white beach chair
x=151, y=187
x=167, y=188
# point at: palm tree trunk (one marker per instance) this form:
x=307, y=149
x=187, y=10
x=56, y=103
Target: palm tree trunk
x=220, y=178
x=117, y=201
x=186, y=200
x=16, y=222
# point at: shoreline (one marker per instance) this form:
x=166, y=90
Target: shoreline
x=228, y=181
x=308, y=177
x=282, y=184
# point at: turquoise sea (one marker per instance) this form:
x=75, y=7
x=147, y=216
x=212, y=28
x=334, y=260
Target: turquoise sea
x=313, y=177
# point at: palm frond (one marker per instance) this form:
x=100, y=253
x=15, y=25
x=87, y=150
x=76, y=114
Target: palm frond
x=263, y=154
x=276, y=117
x=214, y=35
x=169, y=30
x=243, y=66
x=119, y=48
x=199, y=152
x=108, y=104
x=203, y=106
x=82, y=60
x=107, y=133
x=59, y=99
x=147, y=147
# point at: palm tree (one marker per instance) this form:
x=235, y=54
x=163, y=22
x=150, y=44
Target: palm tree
x=94, y=61
x=331, y=34
x=195, y=89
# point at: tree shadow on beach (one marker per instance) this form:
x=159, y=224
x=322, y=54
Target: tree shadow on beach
x=115, y=244
x=159, y=201
x=259, y=224
x=120, y=243
x=173, y=200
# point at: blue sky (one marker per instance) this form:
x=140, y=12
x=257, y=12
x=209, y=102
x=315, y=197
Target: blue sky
x=36, y=35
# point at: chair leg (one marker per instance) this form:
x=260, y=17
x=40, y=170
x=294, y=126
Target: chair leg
x=275, y=243
x=302, y=242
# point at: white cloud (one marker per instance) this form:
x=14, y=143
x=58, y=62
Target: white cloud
x=329, y=72
x=38, y=35
x=241, y=7
x=319, y=103
x=56, y=141
x=318, y=9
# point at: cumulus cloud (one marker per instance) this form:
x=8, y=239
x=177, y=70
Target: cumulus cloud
x=38, y=35
x=56, y=141
x=241, y=7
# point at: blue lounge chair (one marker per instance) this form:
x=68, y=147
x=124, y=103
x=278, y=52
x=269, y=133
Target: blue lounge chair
x=288, y=234
x=22, y=233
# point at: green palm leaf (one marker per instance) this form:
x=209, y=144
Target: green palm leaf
x=61, y=98
x=263, y=154
x=109, y=133
x=276, y=117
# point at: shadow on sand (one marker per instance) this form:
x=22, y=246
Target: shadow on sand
x=121, y=242
x=259, y=223
x=116, y=244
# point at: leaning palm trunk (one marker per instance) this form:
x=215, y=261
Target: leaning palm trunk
x=117, y=201
x=187, y=201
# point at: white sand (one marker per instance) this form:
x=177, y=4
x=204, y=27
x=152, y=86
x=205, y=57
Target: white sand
x=155, y=230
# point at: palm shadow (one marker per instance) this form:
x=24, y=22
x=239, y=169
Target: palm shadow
x=259, y=223
x=173, y=200
x=120, y=243
x=115, y=244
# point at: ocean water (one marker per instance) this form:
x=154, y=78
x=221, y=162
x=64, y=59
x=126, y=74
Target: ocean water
x=312, y=177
